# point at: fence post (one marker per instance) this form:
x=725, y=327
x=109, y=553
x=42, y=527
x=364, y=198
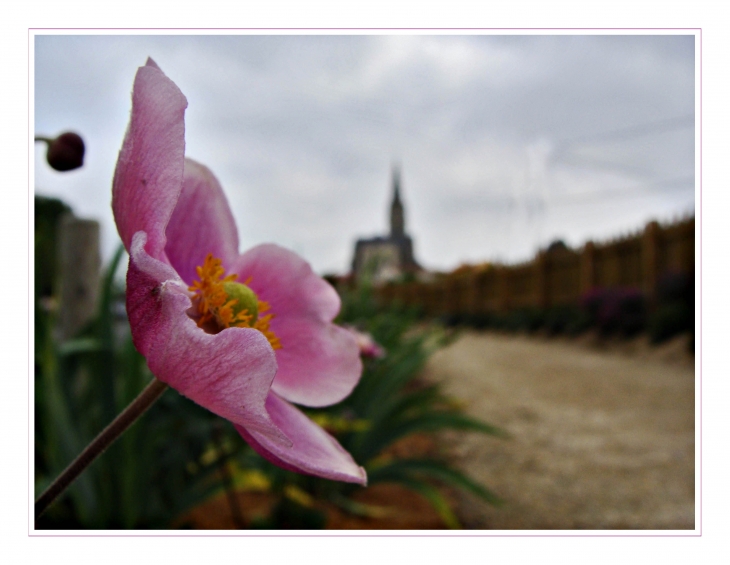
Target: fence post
x=541, y=280
x=476, y=288
x=650, y=260
x=588, y=267
x=502, y=289
x=79, y=264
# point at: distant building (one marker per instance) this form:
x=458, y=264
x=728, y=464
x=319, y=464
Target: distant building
x=387, y=257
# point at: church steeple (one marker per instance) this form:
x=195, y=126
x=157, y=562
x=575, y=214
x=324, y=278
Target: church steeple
x=397, y=220
x=386, y=258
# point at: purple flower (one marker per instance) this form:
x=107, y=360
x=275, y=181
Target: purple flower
x=242, y=335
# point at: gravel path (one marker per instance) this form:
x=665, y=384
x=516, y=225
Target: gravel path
x=601, y=438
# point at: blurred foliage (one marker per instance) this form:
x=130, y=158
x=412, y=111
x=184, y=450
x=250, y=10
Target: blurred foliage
x=48, y=213
x=570, y=320
x=389, y=404
x=619, y=311
x=675, y=311
x=153, y=472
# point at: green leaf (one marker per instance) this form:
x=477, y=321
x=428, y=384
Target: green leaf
x=61, y=432
x=380, y=437
x=358, y=508
x=80, y=345
x=105, y=314
x=418, y=401
x=437, y=500
x=432, y=469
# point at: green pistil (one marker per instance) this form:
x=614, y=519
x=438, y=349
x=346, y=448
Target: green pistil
x=245, y=297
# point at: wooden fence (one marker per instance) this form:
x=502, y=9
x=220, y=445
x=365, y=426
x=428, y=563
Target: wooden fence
x=556, y=277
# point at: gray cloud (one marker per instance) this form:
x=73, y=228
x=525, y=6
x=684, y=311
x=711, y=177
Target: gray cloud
x=506, y=142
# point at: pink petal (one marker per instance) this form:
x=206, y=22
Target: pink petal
x=228, y=373
x=149, y=171
x=368, y=346
x=314, y=452
x=201, y=223
x=319, y=363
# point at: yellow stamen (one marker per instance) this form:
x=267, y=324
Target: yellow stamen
x=228, y=304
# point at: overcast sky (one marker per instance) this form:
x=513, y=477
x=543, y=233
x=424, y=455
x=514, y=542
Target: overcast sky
x=506, y=143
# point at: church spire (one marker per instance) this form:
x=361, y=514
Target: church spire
x=397, y=220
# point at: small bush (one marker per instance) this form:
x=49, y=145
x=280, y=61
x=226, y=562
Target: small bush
x=616, y=310
x=668, y=321
x=479, y=321
x=453, y=320
x=570, y=320
x=676, y=287
x=675, y=309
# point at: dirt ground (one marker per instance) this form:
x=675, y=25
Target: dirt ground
x=602, y=435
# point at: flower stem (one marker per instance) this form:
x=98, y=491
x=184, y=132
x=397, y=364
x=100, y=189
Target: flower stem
x=130, y=414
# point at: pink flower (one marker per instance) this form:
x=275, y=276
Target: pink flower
x=368, y=346
x=242, y=335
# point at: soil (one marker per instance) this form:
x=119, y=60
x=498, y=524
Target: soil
x=601, y=434
x=390, y=507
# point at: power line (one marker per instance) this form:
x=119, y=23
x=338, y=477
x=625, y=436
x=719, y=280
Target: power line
x=635, y=131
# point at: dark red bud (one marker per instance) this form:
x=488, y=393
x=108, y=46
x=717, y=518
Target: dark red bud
x=66, y=152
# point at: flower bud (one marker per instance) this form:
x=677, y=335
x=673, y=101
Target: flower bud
x=66, y=152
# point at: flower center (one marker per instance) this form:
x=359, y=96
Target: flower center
x=222, y=303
